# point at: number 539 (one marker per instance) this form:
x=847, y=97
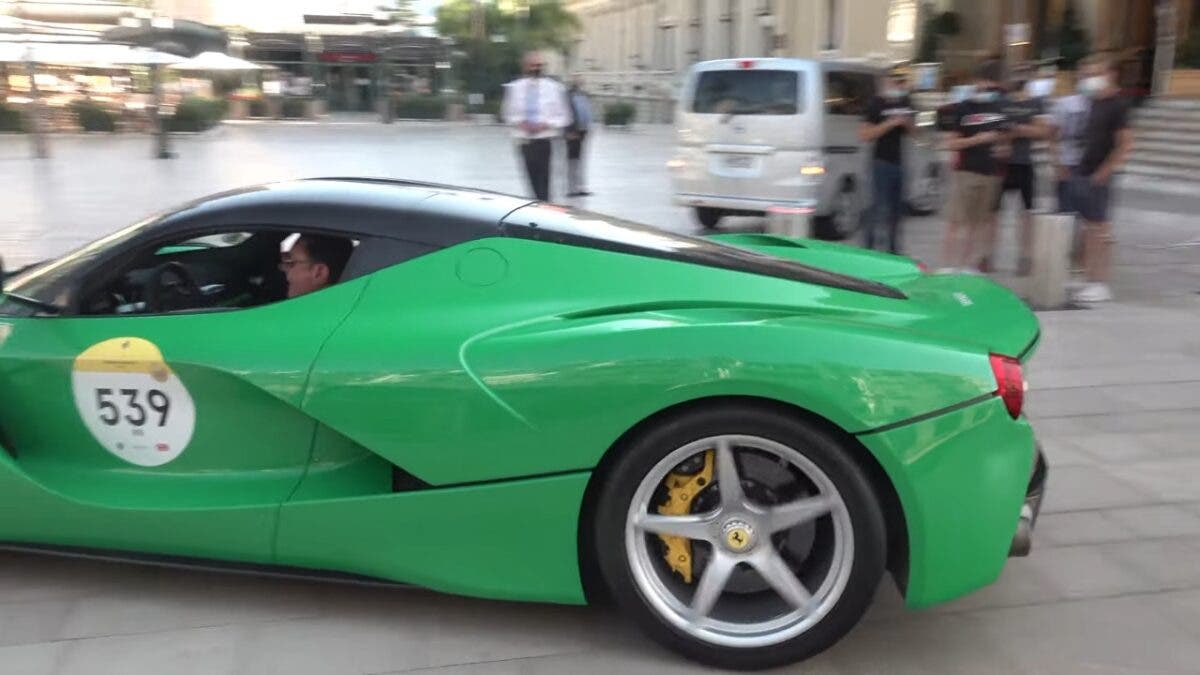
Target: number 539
x=134, y=412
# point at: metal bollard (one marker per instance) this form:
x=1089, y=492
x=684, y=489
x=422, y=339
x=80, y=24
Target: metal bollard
x=789, y=222
x=1052, y=236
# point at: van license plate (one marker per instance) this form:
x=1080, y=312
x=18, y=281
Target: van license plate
x=739, y=161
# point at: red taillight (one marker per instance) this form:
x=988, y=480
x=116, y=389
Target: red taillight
x=923, y=267
x=746, y=63
x=1010, y=383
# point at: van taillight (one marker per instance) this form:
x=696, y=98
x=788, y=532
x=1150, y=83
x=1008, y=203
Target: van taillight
x=746, y=63
x=1010, y=383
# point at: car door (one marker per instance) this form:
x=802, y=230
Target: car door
x=176, y=433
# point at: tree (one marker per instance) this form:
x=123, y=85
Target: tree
x=401, y=12
x=494, y=36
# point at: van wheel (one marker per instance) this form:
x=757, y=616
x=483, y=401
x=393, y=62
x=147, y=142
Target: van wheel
x=845, y=216
x=927, y=196
x=708, y=217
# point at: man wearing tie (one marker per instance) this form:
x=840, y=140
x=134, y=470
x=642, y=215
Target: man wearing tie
x=535, y=106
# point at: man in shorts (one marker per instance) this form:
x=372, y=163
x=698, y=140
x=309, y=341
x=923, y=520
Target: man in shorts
x=977, y=136
x=1024, y=114
x=1107, y=141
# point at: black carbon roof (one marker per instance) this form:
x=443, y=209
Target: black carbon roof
x=428, y=213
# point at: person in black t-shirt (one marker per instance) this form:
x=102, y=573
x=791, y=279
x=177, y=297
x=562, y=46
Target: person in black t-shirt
x=1107, y=140
x=978, y=137
x=888, y=119
x=1026, y=123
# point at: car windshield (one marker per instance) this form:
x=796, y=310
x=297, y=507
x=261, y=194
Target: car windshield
x=747, y=92
x=47, y=283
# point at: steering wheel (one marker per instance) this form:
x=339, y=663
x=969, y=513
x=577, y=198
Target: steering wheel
x=171, y=287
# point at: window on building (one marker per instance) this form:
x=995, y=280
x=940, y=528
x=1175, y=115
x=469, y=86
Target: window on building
x=834, y=20
x=902, y=21
x=696, y=30
x=731, y=9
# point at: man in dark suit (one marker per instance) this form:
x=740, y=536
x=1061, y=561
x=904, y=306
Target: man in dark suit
x=576, y=133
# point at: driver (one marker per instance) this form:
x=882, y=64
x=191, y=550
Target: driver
x=314, y=262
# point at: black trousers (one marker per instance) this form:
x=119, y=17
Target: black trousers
x=536, y=153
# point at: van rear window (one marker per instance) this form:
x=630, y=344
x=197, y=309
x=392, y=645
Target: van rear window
x=748, y=92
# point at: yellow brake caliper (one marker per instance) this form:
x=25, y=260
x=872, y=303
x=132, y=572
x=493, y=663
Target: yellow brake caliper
x=681, y=490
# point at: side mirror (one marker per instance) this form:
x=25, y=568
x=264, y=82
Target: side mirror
x=3, y=275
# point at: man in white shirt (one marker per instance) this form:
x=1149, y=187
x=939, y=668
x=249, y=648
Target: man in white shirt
x=535, y=106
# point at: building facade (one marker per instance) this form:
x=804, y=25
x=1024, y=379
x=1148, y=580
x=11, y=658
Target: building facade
x=1142, y=34
x=640, y=49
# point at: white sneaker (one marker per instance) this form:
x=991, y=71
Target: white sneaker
x=1094, y=292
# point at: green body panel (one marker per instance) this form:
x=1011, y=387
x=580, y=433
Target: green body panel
x=522, y=376
x=513, y=540
x=505, y=359
x=32, y=513
x=961, y=479
x=249, y=449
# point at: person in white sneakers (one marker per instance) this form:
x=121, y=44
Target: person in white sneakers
x=1107, y=140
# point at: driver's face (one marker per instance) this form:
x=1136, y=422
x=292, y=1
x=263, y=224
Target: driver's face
x=303, y=275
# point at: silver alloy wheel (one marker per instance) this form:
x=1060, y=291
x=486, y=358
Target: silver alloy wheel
x=755, y=523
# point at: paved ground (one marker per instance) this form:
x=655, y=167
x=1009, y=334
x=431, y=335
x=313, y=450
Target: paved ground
x=1113, y=585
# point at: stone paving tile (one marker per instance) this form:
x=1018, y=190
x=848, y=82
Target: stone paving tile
x=1092, y=487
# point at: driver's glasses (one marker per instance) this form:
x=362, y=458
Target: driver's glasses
x=287, y=265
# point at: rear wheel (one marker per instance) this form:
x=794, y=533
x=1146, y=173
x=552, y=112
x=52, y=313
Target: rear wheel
x=708, y=217
x=740, y=537
x=845, y=215
x=927, y=196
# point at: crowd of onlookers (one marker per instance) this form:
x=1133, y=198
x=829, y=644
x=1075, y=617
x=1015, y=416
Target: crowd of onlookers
x=991, y=132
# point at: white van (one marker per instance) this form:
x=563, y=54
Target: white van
x=758, y=135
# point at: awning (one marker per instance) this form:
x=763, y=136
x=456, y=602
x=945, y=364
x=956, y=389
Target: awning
x=215, y=62
x=93, y=55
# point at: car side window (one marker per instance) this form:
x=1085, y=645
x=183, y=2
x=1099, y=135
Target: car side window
x=217, y=271
x=847, y=92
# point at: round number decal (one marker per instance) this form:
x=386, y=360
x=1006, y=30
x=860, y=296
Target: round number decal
x=132, y=402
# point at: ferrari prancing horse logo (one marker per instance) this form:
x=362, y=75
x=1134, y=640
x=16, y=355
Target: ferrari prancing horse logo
x=739, y=536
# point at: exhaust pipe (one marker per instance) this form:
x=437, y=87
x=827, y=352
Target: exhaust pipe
x=1023, y=540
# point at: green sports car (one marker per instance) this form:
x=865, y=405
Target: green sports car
x=734, y=437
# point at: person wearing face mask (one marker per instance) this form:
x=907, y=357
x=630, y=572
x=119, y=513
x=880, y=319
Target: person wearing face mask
x=535, y=106
x=889, y=117
x=1107, y=141
x=977, y=135
x=1024, y=115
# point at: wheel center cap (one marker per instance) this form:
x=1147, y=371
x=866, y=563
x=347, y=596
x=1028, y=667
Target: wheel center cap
x=738, y=536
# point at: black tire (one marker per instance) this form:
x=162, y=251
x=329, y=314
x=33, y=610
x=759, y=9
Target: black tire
x=640, y=455
x=708, y=217
x=839, y=225
x=928, y=204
